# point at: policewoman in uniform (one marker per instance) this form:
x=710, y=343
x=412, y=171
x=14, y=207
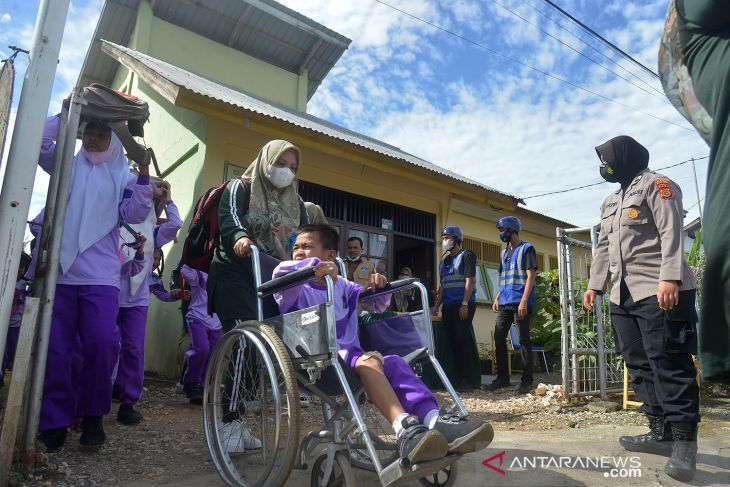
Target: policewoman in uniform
x=517, y=271
x=458, y=295
x=652, y=300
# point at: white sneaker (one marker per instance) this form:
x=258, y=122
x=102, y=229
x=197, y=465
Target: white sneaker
x=179, y=388
x=236, y=438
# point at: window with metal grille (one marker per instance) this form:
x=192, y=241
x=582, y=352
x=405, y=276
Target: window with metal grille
x=484, y=251
x=553, y=262
x=348, y=207
x=540, y=262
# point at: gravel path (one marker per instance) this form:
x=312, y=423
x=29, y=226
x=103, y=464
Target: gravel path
x=169, y=443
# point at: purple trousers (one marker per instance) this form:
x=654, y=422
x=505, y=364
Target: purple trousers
x=130, y=373
x=414, y=396
x=84, y=336
x=202, y=342
x=11, y=343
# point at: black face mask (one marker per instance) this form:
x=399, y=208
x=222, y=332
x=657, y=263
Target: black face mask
x=505, y=236
x=610, y=177
x=625, y=157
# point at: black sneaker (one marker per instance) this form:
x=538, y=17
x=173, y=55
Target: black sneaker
x=498, y=383
x=194, y=393
x=92, y=431
x=525, y=388
x=464, y=436
x=128, y=415
x=54, y=439
x=418, y=444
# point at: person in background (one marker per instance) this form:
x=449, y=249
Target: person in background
x=513, y=303
x=315, y=213
x=86, y=302
x=16, y=316
x=701, y=28
x=408, y=300
x=359, y=269
x=457, y=293
x=652, y=300
x=134, y=299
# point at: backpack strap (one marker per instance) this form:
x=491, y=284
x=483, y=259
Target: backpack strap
x=303, y=216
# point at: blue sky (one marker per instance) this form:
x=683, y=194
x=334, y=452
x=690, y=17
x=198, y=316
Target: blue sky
x=465, y=108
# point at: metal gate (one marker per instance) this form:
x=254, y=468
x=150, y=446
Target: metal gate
x=591, y=364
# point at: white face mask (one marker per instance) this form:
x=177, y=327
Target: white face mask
x=447, y=244
x=280, y=177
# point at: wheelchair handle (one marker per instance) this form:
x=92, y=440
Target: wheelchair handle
x=390, y=287
x=290, y=280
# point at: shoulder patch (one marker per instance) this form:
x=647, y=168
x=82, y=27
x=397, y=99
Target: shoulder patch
x=662, y=182
x=666, y=193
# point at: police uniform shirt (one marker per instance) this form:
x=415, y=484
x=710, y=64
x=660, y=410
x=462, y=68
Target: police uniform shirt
x=640, y=240
x=359, y=272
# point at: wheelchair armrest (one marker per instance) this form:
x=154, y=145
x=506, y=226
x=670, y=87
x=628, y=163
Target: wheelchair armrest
x=290, y=280
x=390, y=287
x=416, y=356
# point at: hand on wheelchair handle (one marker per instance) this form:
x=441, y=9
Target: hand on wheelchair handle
x=325, y=268
x=242, y=247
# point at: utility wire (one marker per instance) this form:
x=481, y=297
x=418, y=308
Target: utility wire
x=662, y=96
x=695, y=204
x=601, y=38
x=544, y=73
x=604, y=182
x=587, y=44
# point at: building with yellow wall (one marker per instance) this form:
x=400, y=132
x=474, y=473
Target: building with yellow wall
x=223, y=78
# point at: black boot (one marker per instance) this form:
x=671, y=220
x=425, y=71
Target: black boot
x=53, y=439
x=657, y=441
x=92, y=431
x=682, y=464
x=128, y=415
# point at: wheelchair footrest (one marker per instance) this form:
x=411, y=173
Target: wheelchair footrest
x=394, y=473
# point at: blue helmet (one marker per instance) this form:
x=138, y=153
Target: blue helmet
x=510, y=222
x=454, y=232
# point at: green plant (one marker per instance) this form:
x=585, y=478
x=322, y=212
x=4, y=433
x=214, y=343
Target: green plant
x=545, y=315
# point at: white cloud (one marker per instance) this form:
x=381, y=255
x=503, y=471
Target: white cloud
x=5, y=18
x=510, y=128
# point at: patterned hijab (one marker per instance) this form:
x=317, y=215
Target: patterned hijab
x=273, y=214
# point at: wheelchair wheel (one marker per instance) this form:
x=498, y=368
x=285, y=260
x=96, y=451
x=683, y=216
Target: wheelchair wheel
x=251, y=408
x=382, y=434
x=443, y=478
x=342, y=474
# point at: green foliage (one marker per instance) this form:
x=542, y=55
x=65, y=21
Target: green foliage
x=545, y=316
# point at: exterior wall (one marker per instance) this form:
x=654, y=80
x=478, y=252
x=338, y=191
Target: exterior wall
x=226, y=65
x=172, y=132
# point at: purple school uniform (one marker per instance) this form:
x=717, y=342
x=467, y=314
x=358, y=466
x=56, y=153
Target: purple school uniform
x=11, y=343
x=85, y=309
x=204, y=330
x=132, y=319
x=413, y=394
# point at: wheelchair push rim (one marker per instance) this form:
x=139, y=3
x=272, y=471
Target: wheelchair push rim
x=251, y=391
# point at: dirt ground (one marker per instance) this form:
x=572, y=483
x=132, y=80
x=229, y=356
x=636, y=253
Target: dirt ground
x=169, y=444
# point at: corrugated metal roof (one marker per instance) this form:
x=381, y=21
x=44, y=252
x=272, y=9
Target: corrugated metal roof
x=263, y=29
x=203, y=86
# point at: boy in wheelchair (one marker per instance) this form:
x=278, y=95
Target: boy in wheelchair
x=422, y=433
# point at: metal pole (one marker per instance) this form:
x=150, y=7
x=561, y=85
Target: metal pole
x=598, y=313
x=563, y=315
x=26, y=143
x=49, y=289
x=697, y=189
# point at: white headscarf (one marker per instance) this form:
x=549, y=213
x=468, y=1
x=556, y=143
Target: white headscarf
x=93, y=201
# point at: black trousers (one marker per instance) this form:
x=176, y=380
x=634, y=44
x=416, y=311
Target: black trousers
x=657, y=347
x=459, y=334
x=505, y=317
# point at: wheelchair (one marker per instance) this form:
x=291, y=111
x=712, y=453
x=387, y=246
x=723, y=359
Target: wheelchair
x=251, y=405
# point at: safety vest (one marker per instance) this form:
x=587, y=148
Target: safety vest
x=513, y=278
x=453, y=280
